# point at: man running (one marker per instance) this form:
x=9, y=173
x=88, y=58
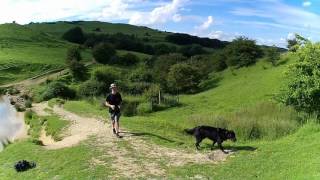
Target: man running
x=113, y=101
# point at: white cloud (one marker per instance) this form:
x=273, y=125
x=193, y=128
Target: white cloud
x=306, y=4
x=205, y=25
x=216, y=34
x=25, y=11
x=159, y=15
x=291, y=36
x=223, y=35
x=283, y=15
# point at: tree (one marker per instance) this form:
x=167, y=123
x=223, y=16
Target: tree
x=162, y=64
x=291, y=44
x=74, y=35
x=219, y=61
x=192, y=50
x=242, y=52
x=102, y=53
x=78, y=70
x=73, y=53
x=273, y=55
x=183, y=77
x=302, y=90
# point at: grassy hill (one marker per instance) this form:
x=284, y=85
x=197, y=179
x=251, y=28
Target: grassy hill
x=275, y=142
x=59, y=28
x=25, y=52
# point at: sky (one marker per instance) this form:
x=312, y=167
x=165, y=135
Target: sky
x=269, y=22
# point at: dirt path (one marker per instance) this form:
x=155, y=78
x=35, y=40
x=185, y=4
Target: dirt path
x=131, y=155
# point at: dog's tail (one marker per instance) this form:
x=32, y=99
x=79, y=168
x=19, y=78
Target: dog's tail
x=190, y=131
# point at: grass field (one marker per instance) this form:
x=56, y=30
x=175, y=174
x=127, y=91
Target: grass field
x=274, y=141
x=58, y=28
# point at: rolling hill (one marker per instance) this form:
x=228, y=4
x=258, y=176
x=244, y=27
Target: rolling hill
x=274, y=141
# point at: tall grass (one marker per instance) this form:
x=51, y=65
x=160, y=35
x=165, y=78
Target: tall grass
x=265, y=120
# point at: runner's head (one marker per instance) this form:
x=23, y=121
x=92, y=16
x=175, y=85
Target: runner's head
x=113, y=87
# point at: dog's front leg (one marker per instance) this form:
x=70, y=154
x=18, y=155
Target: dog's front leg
x=220, y=146
x=214, y=142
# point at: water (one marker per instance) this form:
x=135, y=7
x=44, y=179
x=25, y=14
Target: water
x=11, y=122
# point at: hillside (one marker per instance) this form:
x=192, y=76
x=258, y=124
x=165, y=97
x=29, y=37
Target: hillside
x=59, y=28
x=154, y=144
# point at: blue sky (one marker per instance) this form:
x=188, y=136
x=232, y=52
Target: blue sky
x=267, y=21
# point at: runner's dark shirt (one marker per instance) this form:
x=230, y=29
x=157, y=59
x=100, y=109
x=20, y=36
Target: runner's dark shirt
x=114, y=99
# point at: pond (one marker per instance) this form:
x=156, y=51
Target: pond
x=11, y=122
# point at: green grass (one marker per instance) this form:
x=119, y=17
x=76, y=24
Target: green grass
x=35, y=124
x=54, y=126
x=293, y=157
x=30, y=52
x=59, y=28
x=68, y=163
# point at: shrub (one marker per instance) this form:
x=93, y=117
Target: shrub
x=74, y=35
x=73, y=53
x=19, y=108
x=302, y=90
x=151, y=95
x=58, y=89
x=106, y=75
x=129, y=59
x=184, y=78
x=102, y=53
x=144, y=108
x=140, y=75
x=28, y=103
x=161, y=49
x=13, y=91
x=273, y=55
x=161, y=65
x=78, y=70
x=129, y=108
x=191, y=50
x=28, y=114
x=219, y=61
x=242, y=52
x=92, y=88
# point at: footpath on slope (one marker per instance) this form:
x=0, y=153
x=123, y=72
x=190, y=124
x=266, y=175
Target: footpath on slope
x=131, y=155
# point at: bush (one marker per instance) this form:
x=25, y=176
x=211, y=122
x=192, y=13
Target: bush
x=161, y=49
x=302, y=90
x=129, y=59
x=74, y=35
x=78, y=70
x=192, y=50
x=161, y=65
x=262, y=121
x=152, y=94
x=106, y=75
x=58, y=89
x=184, y=78
x=140, y=75
x=28, y=103
x=92, y=88
x=129, y=108
x=103, y=53
x=242, y=52
x=13, y=91
x=273, y=55
x=19, y=108
x=144, y=108
x=219, y=61
x=28, y=114
x=73, y=53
